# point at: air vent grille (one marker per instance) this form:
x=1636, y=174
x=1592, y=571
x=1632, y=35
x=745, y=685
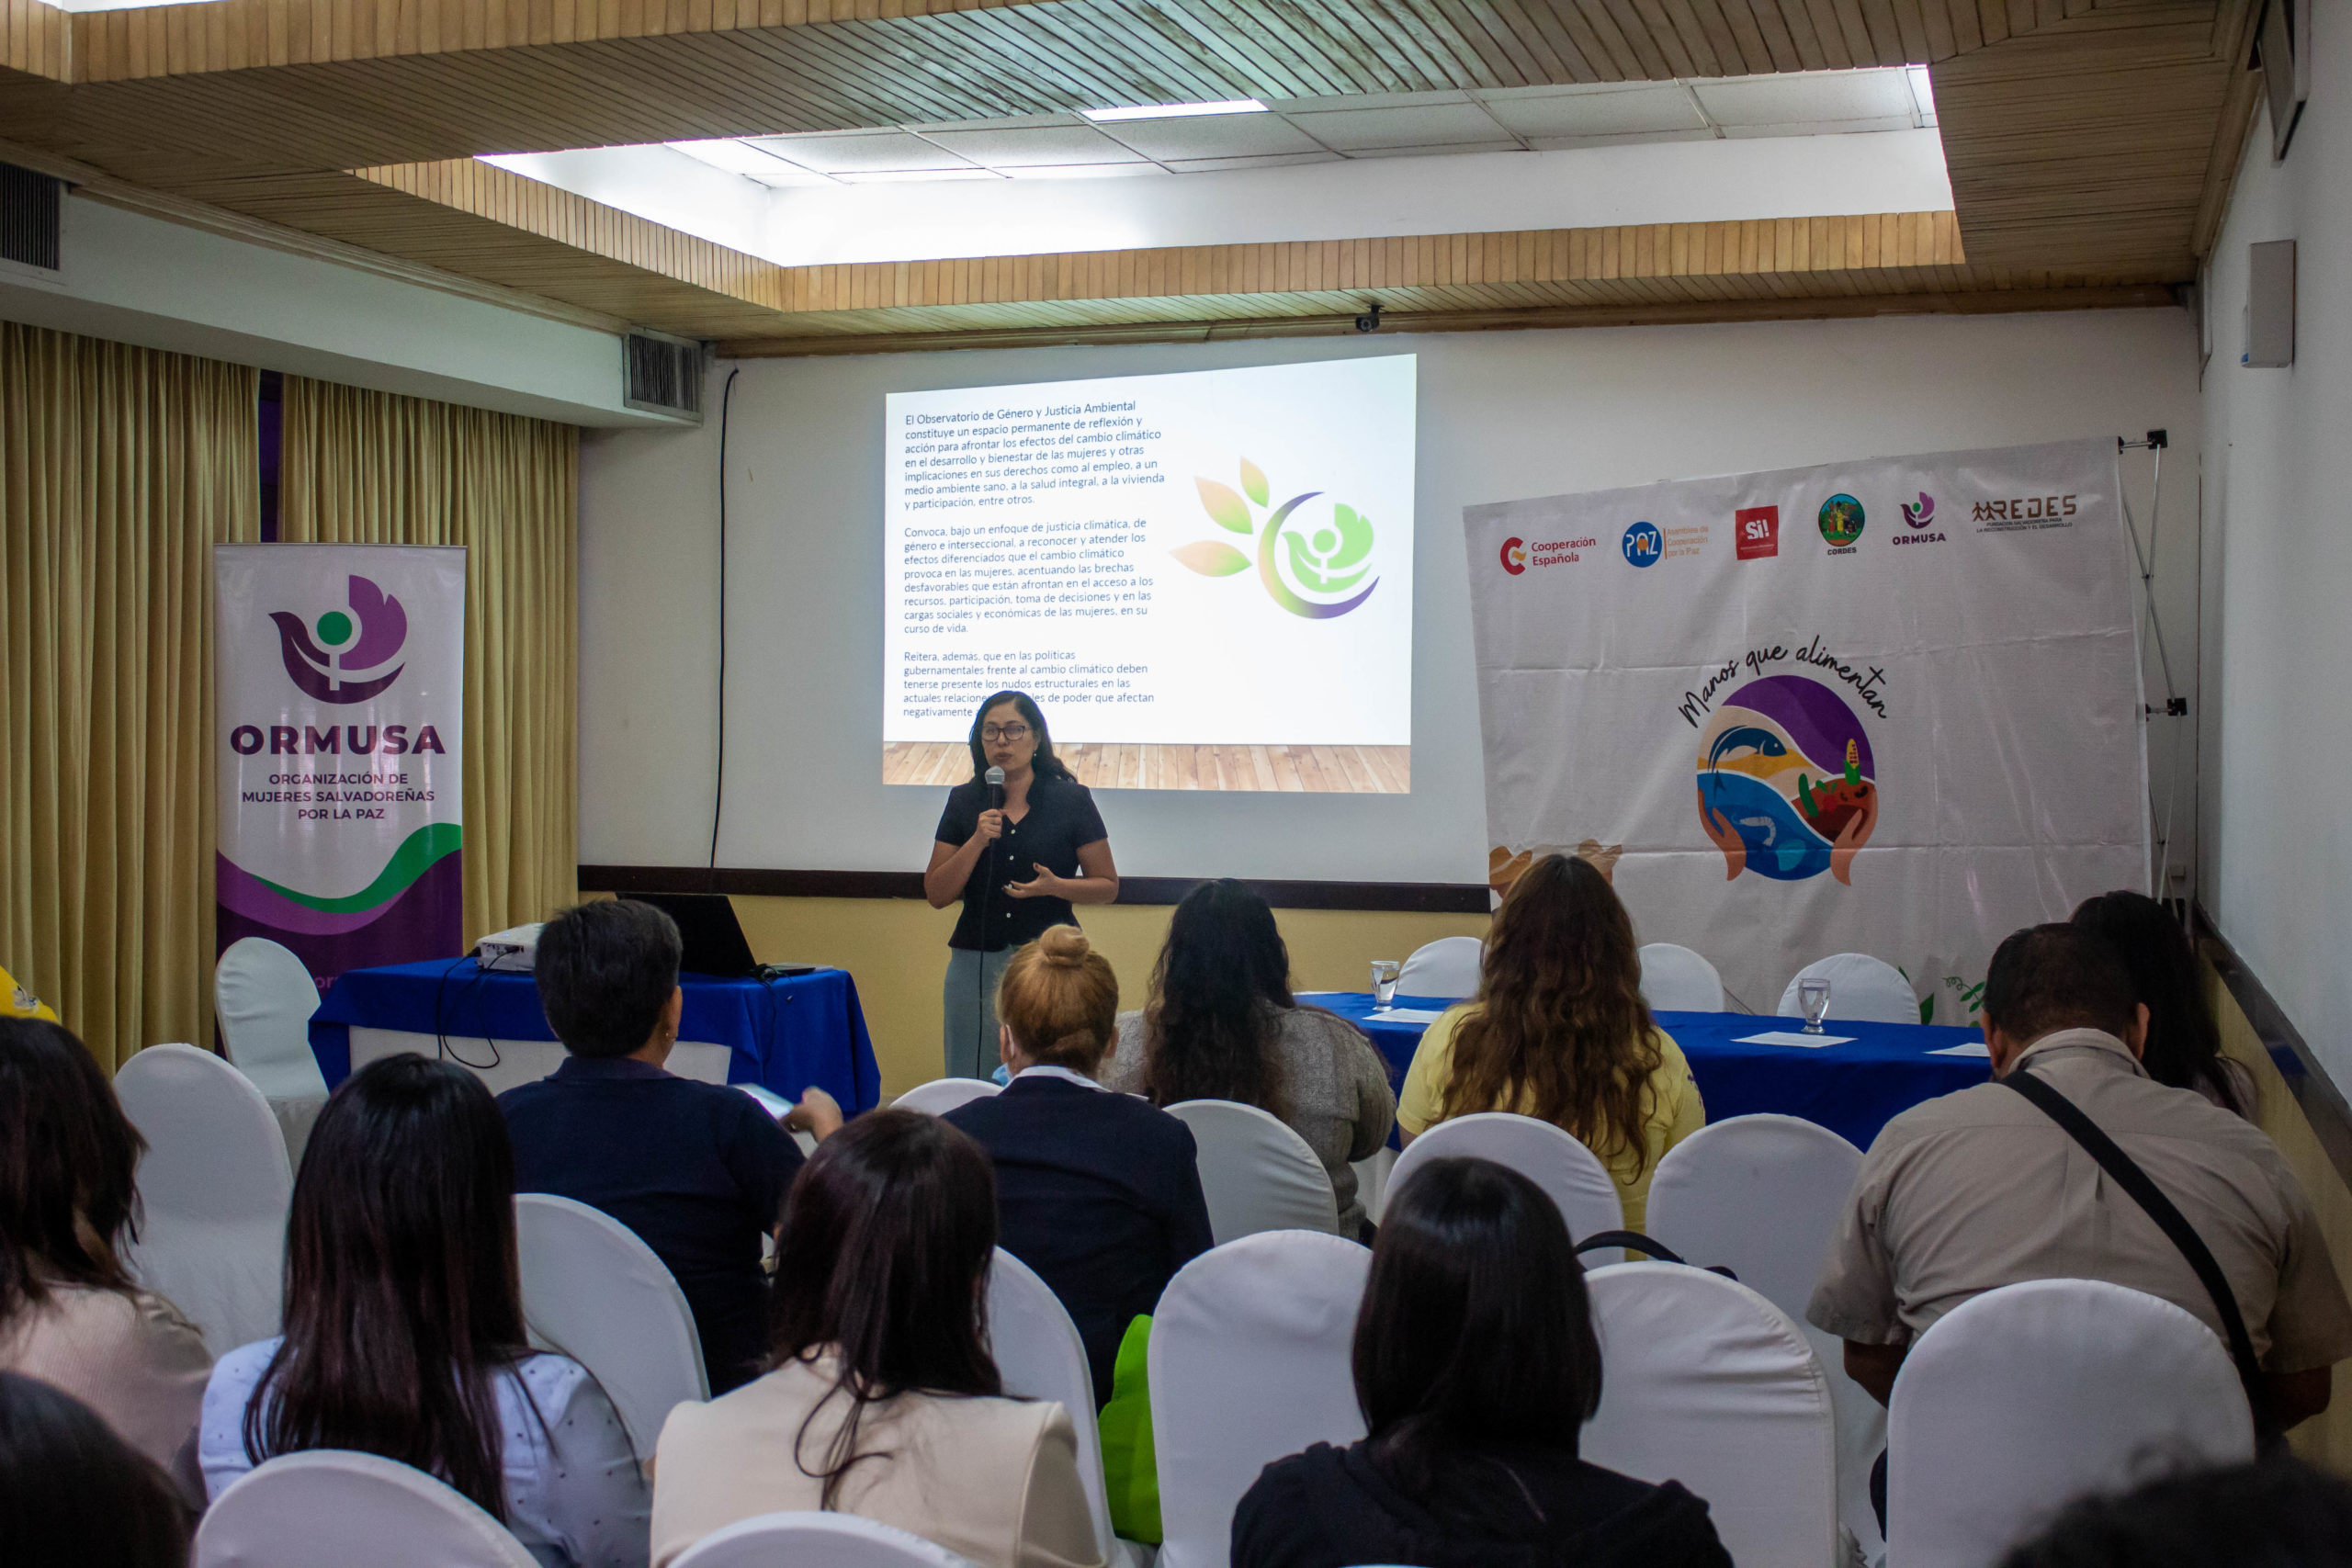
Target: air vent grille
x=665, y=373
x=30, y=211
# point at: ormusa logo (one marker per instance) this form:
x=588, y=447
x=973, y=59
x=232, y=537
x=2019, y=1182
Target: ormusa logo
x=1514, y=554
x=1756, y=530
x=1921, y=515
x=378, y=636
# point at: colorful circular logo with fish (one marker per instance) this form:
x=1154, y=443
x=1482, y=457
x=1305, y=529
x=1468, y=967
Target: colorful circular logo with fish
x=1787, y=787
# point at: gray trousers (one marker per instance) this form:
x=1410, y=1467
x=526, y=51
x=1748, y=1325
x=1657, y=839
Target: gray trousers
x=968, y=1005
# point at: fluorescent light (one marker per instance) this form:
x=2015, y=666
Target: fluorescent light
x=915, y=177
x=1923, y=94
x=1175, y=112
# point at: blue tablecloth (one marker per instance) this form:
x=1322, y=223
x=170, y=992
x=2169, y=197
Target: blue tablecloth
x=1853, y=1089
x=785, y=1034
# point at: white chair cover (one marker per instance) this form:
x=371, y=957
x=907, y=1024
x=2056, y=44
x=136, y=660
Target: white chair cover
x=940, y=1096
x=213, y=1185
x=352, y=1510
x=1256, y=1173
x=1446, y=967
x=1249, y=1364
x=264, y=998
x=1676, y=979
x=595, y=1292
x=1570, y=1174
x=1862, y=989
x=814, y=1541
x=1760, y=1195
x=2022, y=1399
x=1706, y=1382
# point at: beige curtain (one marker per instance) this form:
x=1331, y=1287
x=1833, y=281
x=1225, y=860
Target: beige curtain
x=373, y=468
x=120, y=469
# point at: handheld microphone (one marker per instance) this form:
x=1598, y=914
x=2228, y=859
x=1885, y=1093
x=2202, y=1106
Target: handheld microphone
x=996, y=789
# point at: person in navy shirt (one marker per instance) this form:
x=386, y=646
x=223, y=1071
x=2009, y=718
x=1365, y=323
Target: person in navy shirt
x=698, y=1170
x=1099, y=1192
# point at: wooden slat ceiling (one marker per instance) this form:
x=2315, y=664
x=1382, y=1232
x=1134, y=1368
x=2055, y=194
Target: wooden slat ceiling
x=2087, y=140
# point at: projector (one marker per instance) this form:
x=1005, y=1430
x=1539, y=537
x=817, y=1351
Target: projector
x=516, y=949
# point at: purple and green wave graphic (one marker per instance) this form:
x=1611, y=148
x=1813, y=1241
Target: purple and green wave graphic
x=412, y=911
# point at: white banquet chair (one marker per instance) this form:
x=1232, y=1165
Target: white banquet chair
x=1249, y=1364
x=814, y=1541
x=1760, y=1195
x=1571, y=1175
x=1256, y=1173
x=1676, y=979
x=2018, y=1401
x=594, y=1290
x=940, y=1096
x=1446, y=967
x=1040, y=1356
x=353, y=1510
x=214, y=1186
x=263, y=996
x=1862, y=989
x=1706, y=1382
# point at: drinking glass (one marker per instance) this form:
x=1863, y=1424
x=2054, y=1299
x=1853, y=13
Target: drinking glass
x=1384, y=980
x=1813, y=996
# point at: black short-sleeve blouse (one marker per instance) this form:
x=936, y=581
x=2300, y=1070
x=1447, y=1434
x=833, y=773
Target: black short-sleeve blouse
x=1060, y=817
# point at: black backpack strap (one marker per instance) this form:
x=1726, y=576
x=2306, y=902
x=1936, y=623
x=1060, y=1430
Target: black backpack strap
x=2128, y=1175
x=1636, y=1241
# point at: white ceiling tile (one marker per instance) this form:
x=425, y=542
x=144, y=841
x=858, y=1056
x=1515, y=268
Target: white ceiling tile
x=1082, y=171
x=1041, y=146
x=1212, y=136
x=1365, y=101
x=1808, y=98
x=861, y=151
x=1613, y=112
x=1218, y=165
x=1400, y=125
x=1816, y=128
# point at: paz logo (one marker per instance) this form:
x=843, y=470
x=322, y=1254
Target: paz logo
x=1921, y=515
x=1332, y=558
x=321, y=658
x=1841, y=520
x=1644, y=545
x=1787, y=788
x=1514, y=554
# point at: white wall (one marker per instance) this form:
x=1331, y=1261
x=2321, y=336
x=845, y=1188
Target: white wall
x=2276, y=731
x=1503, y=416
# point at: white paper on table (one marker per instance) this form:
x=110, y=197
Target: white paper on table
x=1790, y=1037
x=1974, y=1048
x=1406, y=1015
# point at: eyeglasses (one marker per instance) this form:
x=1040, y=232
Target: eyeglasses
x=1013, y=732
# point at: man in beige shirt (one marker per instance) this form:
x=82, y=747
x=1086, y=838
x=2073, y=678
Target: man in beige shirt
x=1980, y=1189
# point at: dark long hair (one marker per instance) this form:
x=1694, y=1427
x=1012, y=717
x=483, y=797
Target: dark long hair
x=1560, y=1031
x=2184, y=1048
x=71, y=1491
x=1209, y=1027
x=886, y=1236
x=403, y=1299
x=1044, y=765
x=1475, y=1332
x=67, y=1154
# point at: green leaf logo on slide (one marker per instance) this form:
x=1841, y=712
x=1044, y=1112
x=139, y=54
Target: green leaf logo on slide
x=1330, y=560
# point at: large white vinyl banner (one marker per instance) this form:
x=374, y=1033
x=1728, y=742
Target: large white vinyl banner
x=1889, y=707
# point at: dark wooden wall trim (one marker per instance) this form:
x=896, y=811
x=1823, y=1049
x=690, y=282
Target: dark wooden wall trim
x=2323, y=1101
x=1414, y=898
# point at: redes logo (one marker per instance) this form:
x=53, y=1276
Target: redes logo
x=1919, y=516
x=1514, y=554
x=1644, y=545
x=1756, y=531
x=323, y=674
x=1330, y=560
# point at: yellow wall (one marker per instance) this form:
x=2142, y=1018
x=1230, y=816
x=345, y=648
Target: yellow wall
x=2324, y=1439
x=896, y=950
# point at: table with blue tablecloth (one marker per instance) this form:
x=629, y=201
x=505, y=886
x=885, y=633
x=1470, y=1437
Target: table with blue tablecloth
x=782, y=1034
x=1853, y=1089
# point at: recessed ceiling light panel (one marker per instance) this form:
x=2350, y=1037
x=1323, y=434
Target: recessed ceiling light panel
x=1175, y=112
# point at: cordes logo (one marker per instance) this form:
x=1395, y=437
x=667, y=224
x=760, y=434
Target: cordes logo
x=1841, y=523
x=1644, y=545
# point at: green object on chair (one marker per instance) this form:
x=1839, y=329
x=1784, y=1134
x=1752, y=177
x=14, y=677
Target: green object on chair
x=1130, y=1470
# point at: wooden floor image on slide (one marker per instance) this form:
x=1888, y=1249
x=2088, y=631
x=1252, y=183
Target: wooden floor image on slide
x=1327, y=769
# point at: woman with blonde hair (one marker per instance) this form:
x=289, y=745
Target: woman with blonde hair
x=1097, y=1192
x=1558, y=1031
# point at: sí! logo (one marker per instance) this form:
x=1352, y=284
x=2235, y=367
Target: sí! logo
x=323, y=658
x=1514, y=554
x=1330, y=560
x=1644, y=546
x=1756, y=532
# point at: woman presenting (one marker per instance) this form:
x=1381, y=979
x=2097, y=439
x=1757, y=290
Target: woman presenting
x=1017, y=867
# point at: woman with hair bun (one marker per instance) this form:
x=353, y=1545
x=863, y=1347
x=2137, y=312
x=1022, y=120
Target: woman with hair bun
x=1098, y=1192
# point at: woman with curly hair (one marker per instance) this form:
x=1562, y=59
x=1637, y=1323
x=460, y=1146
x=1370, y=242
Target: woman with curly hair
x=1558, y=1031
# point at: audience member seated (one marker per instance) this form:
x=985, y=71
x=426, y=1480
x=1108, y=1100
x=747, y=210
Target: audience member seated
x=696, y=1169
x=69, y=1313
x=883, y=1401
x=1559, y=1031
x=1476, y=1367
x=2184, y=1045
x=73, y=1493
x=1981, y=1188
x=2279, y=1513
x=404, y=1331
x=1099, y=1192
x=1222, y=1024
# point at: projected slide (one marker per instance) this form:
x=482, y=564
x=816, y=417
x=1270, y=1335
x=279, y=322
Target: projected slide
x=1205, y=578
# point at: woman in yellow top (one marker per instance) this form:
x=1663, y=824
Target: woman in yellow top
x=1559, y=1031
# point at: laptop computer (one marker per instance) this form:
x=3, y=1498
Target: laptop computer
x=713, y=937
